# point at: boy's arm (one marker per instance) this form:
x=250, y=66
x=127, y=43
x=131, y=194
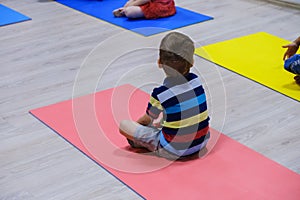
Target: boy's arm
x=136, y=2
x=297, y=41
x=144, y=120
x=292, y=48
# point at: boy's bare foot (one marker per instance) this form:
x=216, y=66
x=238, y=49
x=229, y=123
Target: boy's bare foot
x=118, y=12
x=297, y=79
x=133, y=144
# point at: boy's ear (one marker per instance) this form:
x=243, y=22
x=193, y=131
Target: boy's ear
x=159, y=63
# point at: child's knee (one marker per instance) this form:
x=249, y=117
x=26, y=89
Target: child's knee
x=123, y=125
x=127, y=128
x=129, y=12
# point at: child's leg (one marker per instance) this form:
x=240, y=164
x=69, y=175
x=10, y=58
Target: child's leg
x=119, y=12
x=128, y=128
x=133, y=12
x=140, y=136
x=292, y=64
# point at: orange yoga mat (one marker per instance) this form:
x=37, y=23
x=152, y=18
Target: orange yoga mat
x=229, y=171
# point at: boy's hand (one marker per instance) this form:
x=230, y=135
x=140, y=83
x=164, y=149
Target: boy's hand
x=157, y=125
x=291, y=50
x=145, y=120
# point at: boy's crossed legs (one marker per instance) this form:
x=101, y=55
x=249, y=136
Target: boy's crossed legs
x=140, y=136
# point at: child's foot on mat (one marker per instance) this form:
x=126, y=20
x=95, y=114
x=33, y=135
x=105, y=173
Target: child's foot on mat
x=118, y=12
x=133, y=145
x=297, y=79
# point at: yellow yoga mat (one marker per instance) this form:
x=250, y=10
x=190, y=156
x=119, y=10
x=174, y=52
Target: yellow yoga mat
x=258, y=57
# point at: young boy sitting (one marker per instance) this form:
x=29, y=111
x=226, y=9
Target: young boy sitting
x=181, y=99
x=292, y=60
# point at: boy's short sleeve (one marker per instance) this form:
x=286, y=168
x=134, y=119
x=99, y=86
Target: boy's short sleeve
x=154, y=107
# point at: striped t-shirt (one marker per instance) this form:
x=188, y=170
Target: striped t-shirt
x=185, y=117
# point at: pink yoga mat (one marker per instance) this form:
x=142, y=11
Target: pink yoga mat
x=229, y=171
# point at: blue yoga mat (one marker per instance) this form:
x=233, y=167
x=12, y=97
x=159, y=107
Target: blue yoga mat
x=9, y=16
x=102, y=9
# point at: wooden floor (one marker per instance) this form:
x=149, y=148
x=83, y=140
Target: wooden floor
x=40, y=60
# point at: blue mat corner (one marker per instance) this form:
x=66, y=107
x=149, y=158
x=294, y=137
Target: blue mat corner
x=9, y=16
x=102, y=9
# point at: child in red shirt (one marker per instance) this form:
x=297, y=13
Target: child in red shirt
x=150, y=9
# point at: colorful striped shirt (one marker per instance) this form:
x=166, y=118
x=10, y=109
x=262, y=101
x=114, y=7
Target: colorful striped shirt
x=185, y=118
